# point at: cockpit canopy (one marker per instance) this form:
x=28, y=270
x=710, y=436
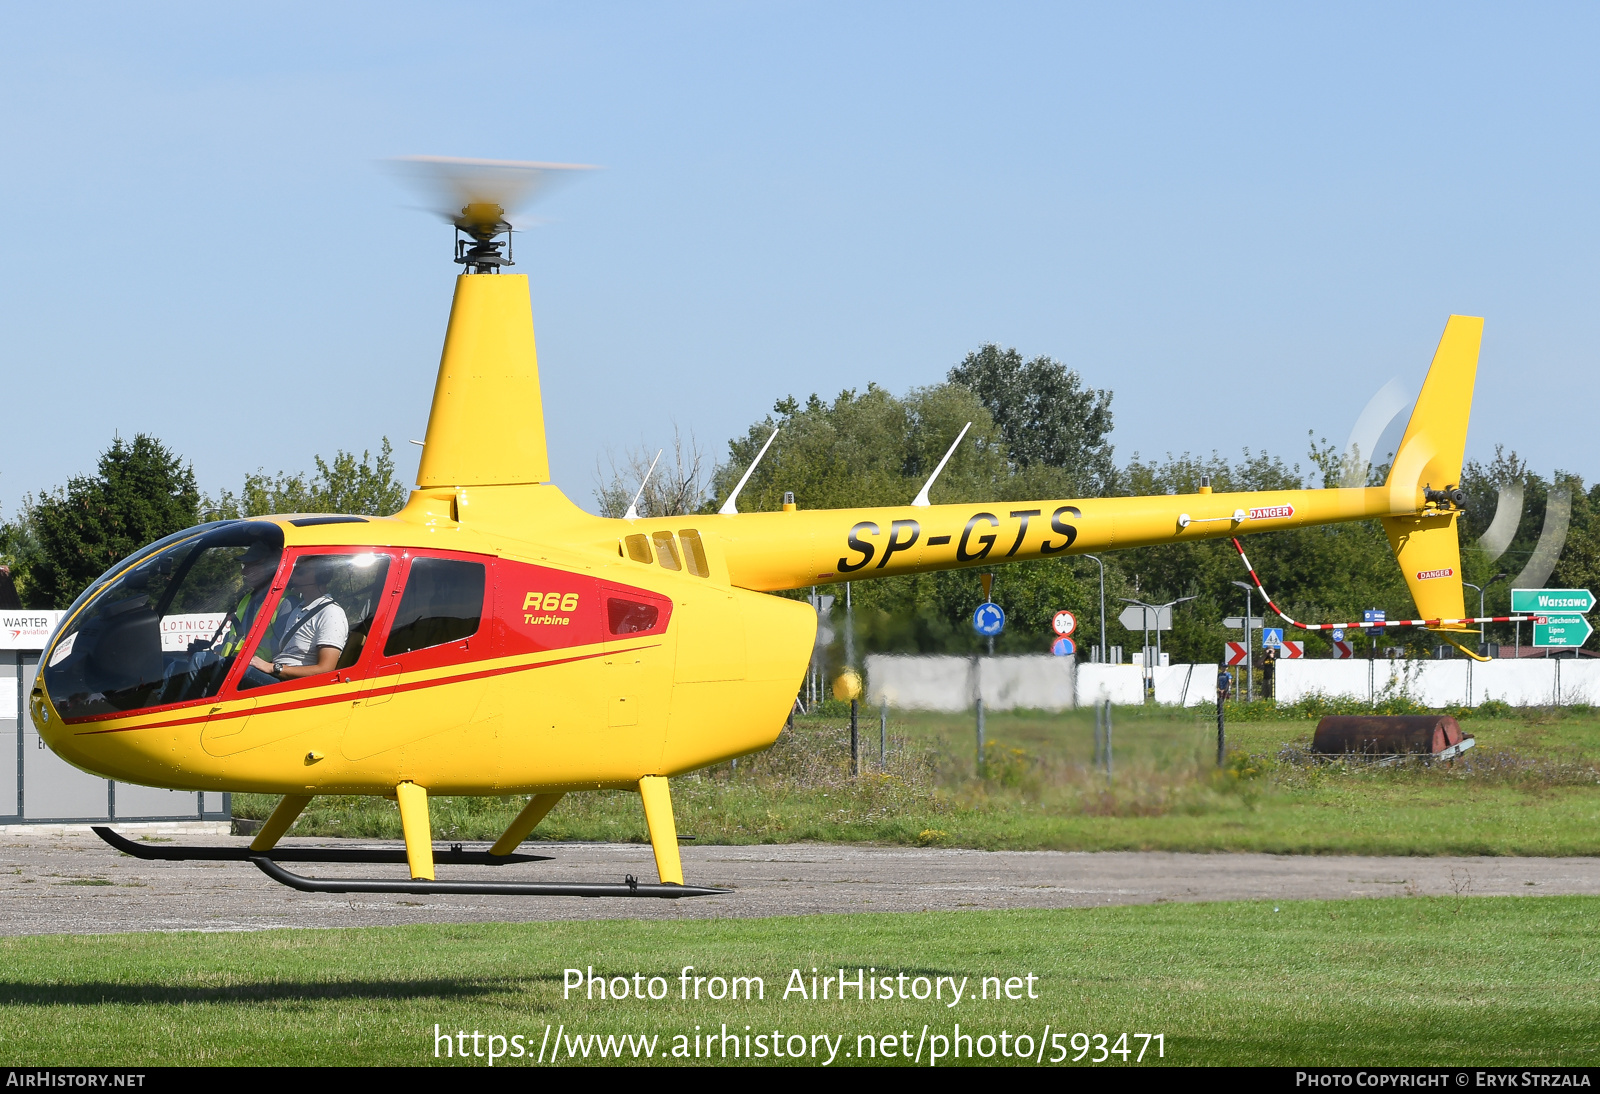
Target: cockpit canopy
x=166, y=629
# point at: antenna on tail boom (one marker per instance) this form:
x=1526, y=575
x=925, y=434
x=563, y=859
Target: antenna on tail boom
x=921, y=500
x=729, y=509
x=633, y=506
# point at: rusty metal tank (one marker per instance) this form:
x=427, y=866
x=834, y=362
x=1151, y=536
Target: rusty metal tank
x=1387, y=735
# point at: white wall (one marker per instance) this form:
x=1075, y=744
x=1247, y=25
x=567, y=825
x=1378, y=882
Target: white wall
x=1520, y=683
x=1122, y=684
x=1299, y=678
x=954, y=683
x=1187, y=685
x=1580, y=681
x=1442, y=683
x=919, y=683
x=1027, y=683
x=1058, y=683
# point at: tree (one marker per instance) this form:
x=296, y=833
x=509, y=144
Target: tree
x=140, y=493
x=365, y=488
x=1044, y=413
x=676, y=486
x=871, y=448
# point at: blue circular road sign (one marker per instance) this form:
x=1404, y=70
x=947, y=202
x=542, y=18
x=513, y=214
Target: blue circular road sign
x=988, y=620
x=1063, y=647
x=1338, y=634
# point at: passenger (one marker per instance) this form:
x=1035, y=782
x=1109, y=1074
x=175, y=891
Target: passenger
x=314, y=630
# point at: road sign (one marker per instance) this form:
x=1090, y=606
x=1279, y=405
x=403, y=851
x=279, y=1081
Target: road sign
x=1236, y=622
x=1374, y=615
x=1271, y=637
x=988, y=620
x=1134, y=618
x=1063, y=647
x=1337, y=634
x=1064, y=623
x=1341, y=649
x=1291, y=650
x=1551, y=600
x=1561, y=631
x=1235, y=653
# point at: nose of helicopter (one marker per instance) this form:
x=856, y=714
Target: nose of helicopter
x=105, y=750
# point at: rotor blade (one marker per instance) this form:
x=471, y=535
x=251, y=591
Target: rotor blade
x=1507, y=515
x=1553, y=537
x=1381, y=410
x=451, y=186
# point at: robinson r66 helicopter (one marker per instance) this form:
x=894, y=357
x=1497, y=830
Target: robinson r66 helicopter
x=492, y=638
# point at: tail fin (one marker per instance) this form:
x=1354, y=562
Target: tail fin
x=1425, y=542
x=487, y=423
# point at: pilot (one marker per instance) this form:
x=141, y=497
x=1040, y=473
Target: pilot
x=314, y=630
x=259, y=563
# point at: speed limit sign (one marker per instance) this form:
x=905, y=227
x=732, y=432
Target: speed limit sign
x=1064, y=623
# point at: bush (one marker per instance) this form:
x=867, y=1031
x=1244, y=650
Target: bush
x=1005, y=766
x=1242, y=767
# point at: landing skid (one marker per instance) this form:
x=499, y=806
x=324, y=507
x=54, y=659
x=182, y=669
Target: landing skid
x=478, y=888
x=268, y=864
x=455, y=856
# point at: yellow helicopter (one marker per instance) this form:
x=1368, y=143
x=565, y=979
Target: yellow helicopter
x=492, y=638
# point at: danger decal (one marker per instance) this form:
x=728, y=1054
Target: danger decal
x=1428, y=575
x=1271, y=512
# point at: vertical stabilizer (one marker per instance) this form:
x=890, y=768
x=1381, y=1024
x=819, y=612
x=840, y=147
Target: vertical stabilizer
x=486, y=427
x=1435, y=440
x=1426, y=543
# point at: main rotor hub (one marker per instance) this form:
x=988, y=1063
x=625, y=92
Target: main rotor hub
x=482, y=222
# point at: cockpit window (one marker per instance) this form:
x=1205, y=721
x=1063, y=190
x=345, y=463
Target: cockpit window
x=167, y=630
x=159, y=545
x=321, y=623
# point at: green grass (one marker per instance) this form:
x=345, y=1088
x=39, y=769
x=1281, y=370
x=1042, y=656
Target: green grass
x=1456, y=981
x=1531, y=787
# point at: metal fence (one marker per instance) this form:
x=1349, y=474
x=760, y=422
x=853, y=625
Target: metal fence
x=51, y=791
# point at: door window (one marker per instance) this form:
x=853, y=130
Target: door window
x=320, y=624
x=443, y=602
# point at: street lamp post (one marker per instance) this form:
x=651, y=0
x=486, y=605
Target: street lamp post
x=1249, y=654
x=1483, y=640
x=1105, y=654
x=1145, y=616
x=1470, y=585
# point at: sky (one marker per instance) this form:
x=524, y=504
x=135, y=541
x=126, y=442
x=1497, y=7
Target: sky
x=1243, y=220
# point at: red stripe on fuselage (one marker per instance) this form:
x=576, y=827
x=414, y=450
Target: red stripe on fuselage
x=349, y=697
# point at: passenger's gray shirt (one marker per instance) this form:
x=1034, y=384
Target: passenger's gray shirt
x=319, y=623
